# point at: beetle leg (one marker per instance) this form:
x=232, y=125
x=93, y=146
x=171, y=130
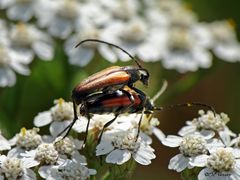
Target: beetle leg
x=139, y=125
x=144, y=99
x=69, y=127
x=105, y=126
x=88, y=118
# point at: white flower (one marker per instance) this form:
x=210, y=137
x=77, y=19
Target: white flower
x=224, y=41
x=83, y=54
x=45, y=154
x=96, y=123
x=122, y=145
x=123, y=10
x=123, y=122
x=27, y=40
x=14, y=168
x=183, y=51
x=60, y=116
x=25, y=140
x=60, y=17
x=68, y=149
x=190, y=146
x=208, y=121
x=4, y=143
x=22, y=10
x=139, y=39
x=93, y=12
x=222, y=163
x=10, y=61
x=68, y=170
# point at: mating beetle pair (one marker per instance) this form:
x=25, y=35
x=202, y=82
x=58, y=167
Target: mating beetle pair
x=112, y=91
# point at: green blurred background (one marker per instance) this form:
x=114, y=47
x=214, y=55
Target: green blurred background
x=218, y=86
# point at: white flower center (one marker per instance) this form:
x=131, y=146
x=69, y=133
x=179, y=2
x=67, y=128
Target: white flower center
x=64, y=146
x=223, y=31
x=68, y=9
x=24, y=1
x=135, y=31
x=180, y=39
x=90, y=33
x=46, y=154
x=4, y=57
x=12, y=168
x=193, y=145
x=210, y=121
x=62, y=110
x=72, y=171
x=182, y=18
x=221, y=160
x=22, y=36
x=125, y=141
x=29, y=139
x=124, y=9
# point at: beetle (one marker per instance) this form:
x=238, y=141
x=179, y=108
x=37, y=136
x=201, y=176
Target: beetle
x=118, y=103
x=106, y=81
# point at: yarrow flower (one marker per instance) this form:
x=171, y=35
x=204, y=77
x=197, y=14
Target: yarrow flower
x=15, y=168
x=10, y=60
x=222, y=163
x=190, y=146
x=224, y=40
x=211, y=123
x=60, y=116
x=67, y=170
x=68, y=148
x=122, y=145
x=60, y=17
x=24, y=141
x=22, y=10
x=27, y=40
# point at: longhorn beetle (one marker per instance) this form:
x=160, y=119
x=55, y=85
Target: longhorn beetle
x=119, y=103
x=106, y=81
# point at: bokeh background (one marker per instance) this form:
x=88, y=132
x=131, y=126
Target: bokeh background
x=218, y=86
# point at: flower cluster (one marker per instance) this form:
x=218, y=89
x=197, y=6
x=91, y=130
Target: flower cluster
x=206, y=142
x=28, y=152
x=152, y=30
x=52, y=158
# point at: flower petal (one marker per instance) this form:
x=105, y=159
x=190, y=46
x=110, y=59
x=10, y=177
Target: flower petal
x=144, y=155
x=187, y=130
x=199, y=161
x=28, y=175
x=7, y=77
x=107, y=53
x=57, y=127
x=158, y=133
x=4, y=144
x=43, y=119
x=104, y=147
x=81, y=56
x=118, y=156
x=178, y=163
x=43, y=50
x=172, y=141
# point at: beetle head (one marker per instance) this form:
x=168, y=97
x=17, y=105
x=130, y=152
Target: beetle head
x=144, y=76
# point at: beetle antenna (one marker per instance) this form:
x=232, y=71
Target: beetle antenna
x=186, y=105
x=110, y=44
x=160, y=92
